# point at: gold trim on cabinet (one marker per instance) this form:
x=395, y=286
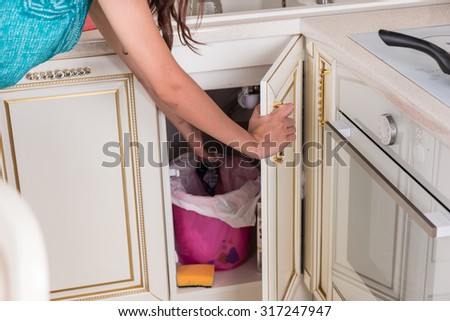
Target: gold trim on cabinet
x=26, y=100
x=137, y=181
x=134, y=148
x=295, y=273
x=3, y=172
x=124, y=184
x=88, y=286
x=323, y=73
x=293, y=84
x=57, y=83
x=284, y=58
x=100, y=295
x=142, y=255
x=84, y=56
x=11, y=144
x=337, y=292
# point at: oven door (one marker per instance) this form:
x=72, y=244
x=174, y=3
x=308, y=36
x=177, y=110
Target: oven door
x=382, y=246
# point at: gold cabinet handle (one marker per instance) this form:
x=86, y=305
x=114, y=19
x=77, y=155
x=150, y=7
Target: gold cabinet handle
x=58, y=74
x=279, y=157
x=277, y=104
x=323, y=72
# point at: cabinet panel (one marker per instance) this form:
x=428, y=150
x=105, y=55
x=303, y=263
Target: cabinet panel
x=387, y=232
x=320, y=106
x=72, y=150
x=227, y=55
x=281, y=182
x=217, y=63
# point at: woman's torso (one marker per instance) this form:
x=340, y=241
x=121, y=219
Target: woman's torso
x=33, y=31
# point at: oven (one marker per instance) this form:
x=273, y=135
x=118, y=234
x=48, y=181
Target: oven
x=387, y=203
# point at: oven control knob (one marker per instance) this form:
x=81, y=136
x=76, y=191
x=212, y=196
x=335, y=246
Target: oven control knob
x=387, y=129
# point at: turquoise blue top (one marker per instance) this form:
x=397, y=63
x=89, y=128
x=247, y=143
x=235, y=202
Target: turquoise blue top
x=33, y=31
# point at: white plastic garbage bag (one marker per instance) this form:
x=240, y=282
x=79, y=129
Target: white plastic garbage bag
x=237, y=192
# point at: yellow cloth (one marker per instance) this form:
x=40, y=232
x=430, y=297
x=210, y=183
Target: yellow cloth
x=195, y=275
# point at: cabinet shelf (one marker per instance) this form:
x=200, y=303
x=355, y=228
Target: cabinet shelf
x=240, y=283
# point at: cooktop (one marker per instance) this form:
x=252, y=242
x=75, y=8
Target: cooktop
x=413, y=64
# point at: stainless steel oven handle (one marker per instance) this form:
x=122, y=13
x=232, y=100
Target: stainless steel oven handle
x=384, y=183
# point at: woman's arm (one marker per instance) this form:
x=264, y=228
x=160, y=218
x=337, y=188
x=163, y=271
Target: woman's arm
x=129, y=27
x=192, y=135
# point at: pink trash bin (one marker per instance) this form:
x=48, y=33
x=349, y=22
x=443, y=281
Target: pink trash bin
x=205, y=238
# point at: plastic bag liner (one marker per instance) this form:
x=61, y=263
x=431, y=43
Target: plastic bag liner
x=214, y=229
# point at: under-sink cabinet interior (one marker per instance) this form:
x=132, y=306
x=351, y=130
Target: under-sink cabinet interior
x=244, y=281
x=281, y=211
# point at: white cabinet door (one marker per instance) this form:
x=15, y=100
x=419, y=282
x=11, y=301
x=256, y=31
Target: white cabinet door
x=82, y=151
x=281, y=182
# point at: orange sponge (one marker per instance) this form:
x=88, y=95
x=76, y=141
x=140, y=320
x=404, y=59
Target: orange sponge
x=195, y=275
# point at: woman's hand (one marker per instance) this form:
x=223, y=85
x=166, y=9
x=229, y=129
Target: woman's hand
x=272, y=132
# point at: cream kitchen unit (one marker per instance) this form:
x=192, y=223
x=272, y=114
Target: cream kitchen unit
x=376, y=203
x=84, y=145
x=72, y=140
x=103, y=225
x=377, y=207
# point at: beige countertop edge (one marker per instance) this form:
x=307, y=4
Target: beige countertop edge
x=253, y=24
x=427, y=111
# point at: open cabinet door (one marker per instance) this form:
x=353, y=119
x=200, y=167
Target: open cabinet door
x=281, y=181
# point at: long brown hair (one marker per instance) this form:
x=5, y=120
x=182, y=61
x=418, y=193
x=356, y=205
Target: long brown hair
x=165, y=11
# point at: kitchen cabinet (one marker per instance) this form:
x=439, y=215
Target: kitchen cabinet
x=372, y=210
x=86, y=151
x=70, y=147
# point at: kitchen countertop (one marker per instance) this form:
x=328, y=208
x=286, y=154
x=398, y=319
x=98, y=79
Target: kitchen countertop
x=331, y=34
x=244, y=25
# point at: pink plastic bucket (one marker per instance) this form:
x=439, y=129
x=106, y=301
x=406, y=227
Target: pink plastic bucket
x=202, y=239
x=215, y=230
